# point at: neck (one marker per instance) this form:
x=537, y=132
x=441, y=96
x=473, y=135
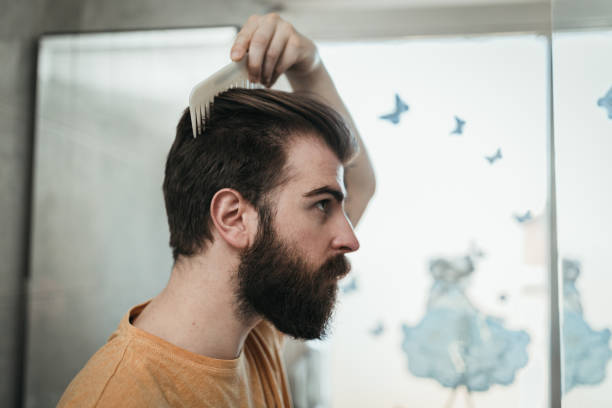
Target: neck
x=196, y=310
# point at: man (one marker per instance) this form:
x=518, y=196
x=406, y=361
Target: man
x=260, y=209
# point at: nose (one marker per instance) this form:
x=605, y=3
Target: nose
x=345, y=240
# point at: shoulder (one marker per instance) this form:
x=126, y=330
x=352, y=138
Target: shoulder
x=90, y=384
x=123, y=373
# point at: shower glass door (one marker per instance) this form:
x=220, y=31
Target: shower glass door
x=582, y=85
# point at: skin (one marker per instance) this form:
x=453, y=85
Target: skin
x=196, y=310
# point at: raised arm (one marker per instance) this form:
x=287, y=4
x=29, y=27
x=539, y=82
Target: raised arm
x=274, y=48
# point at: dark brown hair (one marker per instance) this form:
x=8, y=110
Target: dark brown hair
x=243, y=147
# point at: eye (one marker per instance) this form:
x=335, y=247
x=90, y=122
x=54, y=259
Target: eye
x=323, y=205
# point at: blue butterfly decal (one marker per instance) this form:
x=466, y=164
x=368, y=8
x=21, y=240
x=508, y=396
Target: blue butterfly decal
x=378, y=330
x=495, y=157
x=400, y=107
x=606, y=103
x=459, y=123
x=523, y=218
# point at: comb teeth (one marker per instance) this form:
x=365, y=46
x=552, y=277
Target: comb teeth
x=233, y=75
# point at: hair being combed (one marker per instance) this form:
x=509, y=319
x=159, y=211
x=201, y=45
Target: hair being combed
x=243, y=147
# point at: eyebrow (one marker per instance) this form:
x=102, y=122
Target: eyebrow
x=338, y=195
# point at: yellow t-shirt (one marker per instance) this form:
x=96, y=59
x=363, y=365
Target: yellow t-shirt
x=137, y=369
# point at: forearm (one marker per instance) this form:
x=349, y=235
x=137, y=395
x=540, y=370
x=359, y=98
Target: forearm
x=359, y=176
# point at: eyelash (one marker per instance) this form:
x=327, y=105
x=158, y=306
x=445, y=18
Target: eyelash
x=325, y=204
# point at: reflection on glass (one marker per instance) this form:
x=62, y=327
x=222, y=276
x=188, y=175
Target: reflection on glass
x=586, y=351
x=582, y=68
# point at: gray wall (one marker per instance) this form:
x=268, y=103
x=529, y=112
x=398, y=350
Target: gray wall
x=21, y=23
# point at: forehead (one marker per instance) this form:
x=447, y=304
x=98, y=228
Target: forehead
x=312, y=164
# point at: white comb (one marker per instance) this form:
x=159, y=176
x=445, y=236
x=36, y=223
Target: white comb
x=233, y=75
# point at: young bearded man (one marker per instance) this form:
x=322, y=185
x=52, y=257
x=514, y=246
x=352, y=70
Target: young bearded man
x=261, y=209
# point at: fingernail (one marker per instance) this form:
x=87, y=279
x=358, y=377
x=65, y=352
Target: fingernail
x=235, y=54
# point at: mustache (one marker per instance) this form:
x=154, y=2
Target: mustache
x=336, y=267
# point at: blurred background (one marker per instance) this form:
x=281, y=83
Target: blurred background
x=483, y=277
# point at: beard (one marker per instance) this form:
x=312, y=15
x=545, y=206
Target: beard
x=276, y=282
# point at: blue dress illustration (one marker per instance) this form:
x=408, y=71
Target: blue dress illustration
x=586, y=351
x=456, y=344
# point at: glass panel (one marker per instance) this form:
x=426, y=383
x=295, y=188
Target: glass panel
x=107, y=106
x=447, y=304
x=582, y=74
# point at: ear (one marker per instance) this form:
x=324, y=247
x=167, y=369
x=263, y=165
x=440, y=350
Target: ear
x=234, y=218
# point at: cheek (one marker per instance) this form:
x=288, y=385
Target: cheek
x=306, y=238
x=312, y=244
x=303, y=230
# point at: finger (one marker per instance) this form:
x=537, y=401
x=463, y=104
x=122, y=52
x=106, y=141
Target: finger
x=275, y=76
x=243, y=38
x=258, y=47
x=288, y=58
x=275, y=51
